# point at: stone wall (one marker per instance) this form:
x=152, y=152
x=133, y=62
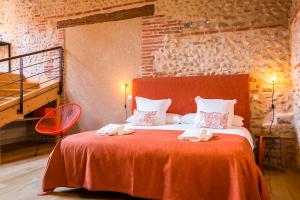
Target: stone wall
x=228, y=37
x=219, y=14
x=185, y=38
x=36, y=22
x=1, y=15
x=294, y=9
x=295, y=62
x=2, y=49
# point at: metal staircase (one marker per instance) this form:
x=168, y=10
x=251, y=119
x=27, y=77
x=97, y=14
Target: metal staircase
x=20, y=93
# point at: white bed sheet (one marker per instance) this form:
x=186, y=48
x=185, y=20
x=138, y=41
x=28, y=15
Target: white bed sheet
x=241, y=131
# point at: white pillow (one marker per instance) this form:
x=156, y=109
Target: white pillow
x=160, y=106
x=173, y=118
x=188, y=118
x=144, y=118
x=237, y=121
x=217, y=105
x=130, y=119
x=214, y=120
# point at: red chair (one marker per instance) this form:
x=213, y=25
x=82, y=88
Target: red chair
x=58, y=121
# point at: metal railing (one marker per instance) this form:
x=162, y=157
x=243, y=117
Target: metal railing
x=22, y=66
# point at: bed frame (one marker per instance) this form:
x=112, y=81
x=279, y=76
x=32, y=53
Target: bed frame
x=183, y=90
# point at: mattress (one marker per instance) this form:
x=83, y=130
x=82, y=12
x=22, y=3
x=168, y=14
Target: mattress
x=241, y=131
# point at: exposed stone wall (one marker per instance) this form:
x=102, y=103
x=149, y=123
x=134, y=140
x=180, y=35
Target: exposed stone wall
x=2, y=50
x=36, y=22
x=27, y=33
x=228, y=37
x=219, y=14
x=1, y=15
x=260, y=52
x=295, y=62
x=294, y=9
x=187, y=37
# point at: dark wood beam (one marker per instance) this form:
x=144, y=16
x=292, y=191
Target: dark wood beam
x=147, y=10
x=4, y=43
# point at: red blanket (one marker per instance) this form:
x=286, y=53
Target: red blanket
x=156, y=165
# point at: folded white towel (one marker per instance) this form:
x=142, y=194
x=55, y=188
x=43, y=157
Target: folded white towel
x=114, y=129
x=125, y=131
x=195, y=135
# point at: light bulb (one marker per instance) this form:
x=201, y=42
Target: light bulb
x=124, y=86
x=274, y=79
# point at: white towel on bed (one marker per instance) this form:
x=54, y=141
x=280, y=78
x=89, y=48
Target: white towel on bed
x=195, y=135
x=114, y=129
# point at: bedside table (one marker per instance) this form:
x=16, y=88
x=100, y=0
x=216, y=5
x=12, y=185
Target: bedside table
x=261, y=145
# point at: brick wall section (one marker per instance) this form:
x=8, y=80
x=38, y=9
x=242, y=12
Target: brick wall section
x=152, y=40
x=188, y=37
x=295, y=62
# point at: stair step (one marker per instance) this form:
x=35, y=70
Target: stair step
x=6, y=99
x=31, y=85
x=9, y=76
x=13, y=92
x=3, y=100
x=32, y=101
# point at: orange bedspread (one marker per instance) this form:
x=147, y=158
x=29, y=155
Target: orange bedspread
x=156, y=165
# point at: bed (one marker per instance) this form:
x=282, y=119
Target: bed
x=152, y=163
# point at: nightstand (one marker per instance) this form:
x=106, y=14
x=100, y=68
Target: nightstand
x=261, y=145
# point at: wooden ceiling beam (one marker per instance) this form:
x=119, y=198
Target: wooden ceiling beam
x=147, y=10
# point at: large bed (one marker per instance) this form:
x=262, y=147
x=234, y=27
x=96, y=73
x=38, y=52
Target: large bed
x=153, y=163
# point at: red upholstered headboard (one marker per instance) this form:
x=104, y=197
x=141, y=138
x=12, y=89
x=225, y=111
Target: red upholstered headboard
x=183, y=90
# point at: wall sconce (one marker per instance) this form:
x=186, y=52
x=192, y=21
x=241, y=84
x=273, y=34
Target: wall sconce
x=273, y=81
x=125, y=87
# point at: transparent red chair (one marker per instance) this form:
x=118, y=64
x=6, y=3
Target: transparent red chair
x=58, y=121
